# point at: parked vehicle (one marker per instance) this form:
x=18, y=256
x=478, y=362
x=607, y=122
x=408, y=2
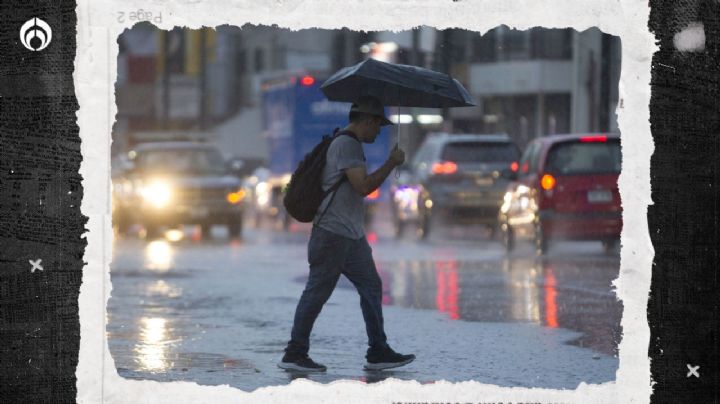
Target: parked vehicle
x=296, y=115
x=566, y=189
x=456, y=177
x=176, y=183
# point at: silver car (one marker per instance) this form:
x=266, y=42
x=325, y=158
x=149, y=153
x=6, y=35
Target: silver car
x=456, y=176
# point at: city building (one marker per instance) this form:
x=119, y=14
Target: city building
x=526, y=83
x=539, y=82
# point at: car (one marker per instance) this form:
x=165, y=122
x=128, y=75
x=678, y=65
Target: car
x=456, y=177
x=265, y=200
x=176, y=183
x=257, y=195
x=566, y=189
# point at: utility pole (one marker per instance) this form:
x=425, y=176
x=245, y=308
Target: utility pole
x=202, y=80
x=414, y=135
x=446, y=53
x=590, y=85
x=416, y=46
x=166, y=80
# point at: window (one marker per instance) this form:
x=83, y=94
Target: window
x=182, y=160
x=259, y=60
x=175, y=51
x=585, y=158
x=484, y=48
x=480, y=152
x=514, y=44
x=557, y=114
x=535, y=159
x=551, y=44
x=529, y=158
x=241, y=61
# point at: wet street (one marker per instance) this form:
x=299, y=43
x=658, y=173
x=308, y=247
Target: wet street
x=219, y=311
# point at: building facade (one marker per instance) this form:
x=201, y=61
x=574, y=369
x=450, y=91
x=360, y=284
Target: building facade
x=526, y=83
x=539, y=82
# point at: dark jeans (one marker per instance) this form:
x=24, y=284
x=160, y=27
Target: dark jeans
x=331, y=255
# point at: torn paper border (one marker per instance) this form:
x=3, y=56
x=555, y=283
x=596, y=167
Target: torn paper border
x=95, y=75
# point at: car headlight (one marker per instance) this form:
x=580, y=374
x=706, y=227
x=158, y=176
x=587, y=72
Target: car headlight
x=157, y=192
x=235, y=197
x=407, y=197
x=262, y=190
x=507, y=202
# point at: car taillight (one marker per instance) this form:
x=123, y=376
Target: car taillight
x=307, y=80
x=446, y=167
x=547, y=182
x=592, y=139
x=514, y=166
x=374, y=195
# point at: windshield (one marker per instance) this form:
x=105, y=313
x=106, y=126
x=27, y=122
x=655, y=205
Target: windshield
x=585, y=158
x=200, y=161
x=480, y=152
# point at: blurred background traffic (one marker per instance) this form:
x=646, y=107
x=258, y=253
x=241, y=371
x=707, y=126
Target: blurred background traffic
x=212, y=122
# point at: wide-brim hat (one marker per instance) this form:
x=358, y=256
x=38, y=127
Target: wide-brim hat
x=371, y=106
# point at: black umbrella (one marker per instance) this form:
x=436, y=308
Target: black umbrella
x=396, y=85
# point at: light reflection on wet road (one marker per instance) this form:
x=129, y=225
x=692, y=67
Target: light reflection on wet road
x=219, y=311
x=565, y=291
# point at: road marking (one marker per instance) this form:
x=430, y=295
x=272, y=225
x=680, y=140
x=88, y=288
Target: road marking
x=693, y=371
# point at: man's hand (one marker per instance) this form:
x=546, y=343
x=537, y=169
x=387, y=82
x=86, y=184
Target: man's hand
x=397, y=156
x=363, y=183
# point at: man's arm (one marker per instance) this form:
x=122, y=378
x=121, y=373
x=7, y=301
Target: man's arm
x=365, y=184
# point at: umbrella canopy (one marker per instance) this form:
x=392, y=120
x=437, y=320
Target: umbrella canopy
x=396, y=85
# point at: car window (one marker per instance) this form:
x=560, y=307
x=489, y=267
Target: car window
x=527, y=159
x=480, y=152
x=585, y=158
x=181, y=160
x=424, y=154
x=535, y=158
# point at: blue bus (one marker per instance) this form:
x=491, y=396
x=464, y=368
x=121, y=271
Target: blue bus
x=296, y=115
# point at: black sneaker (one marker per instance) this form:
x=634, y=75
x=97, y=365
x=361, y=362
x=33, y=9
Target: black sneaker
x=300, y=362
x=387, y=359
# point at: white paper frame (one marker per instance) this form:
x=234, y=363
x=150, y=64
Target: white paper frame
x=95, y=74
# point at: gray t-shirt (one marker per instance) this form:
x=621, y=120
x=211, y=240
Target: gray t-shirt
x=345, y=216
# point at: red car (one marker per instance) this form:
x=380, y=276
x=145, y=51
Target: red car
x=565, y=189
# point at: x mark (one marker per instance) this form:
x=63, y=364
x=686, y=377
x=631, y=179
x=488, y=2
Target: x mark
x=36, y=265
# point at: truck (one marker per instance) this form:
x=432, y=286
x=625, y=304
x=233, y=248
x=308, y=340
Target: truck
x=295, y=116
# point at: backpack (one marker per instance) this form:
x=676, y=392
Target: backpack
x=304, y=193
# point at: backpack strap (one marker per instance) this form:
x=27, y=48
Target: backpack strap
x=336, y=133
x=333, y=189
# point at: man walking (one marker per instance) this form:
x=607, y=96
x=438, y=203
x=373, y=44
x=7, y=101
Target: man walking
x=338, y=245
